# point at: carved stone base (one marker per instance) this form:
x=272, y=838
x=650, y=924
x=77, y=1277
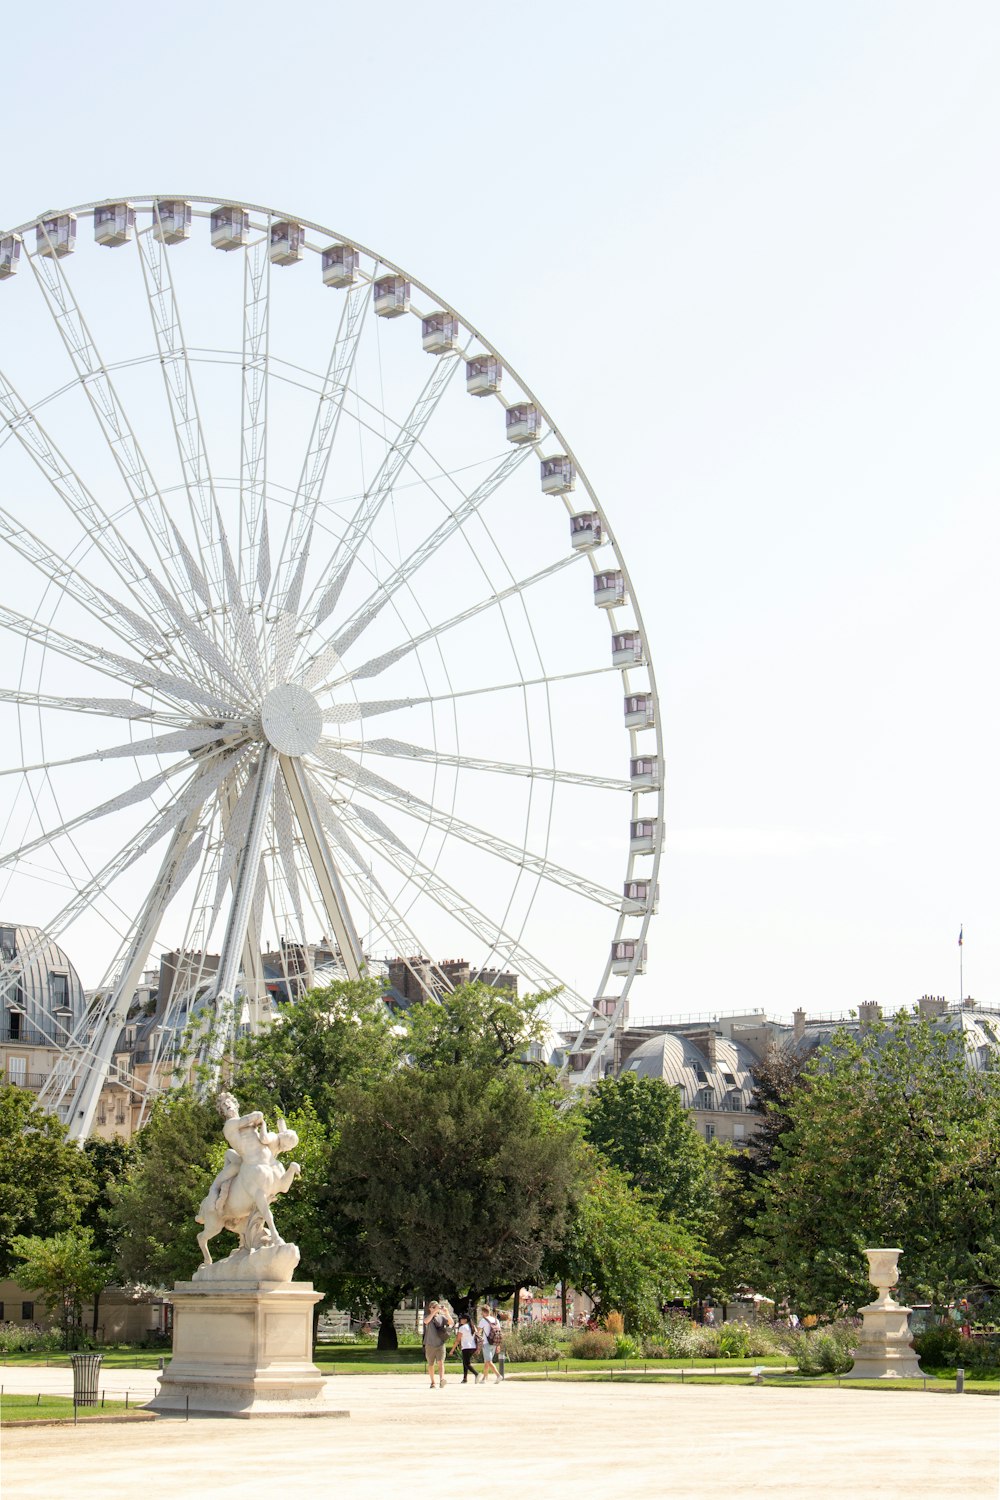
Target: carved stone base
x=243, y=1350
x=269, y=1263
x=885, y=1350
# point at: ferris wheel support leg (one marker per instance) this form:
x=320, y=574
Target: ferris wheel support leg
x=88, y=1091
x=253, y=966
x=324, y=867
x=240, y=920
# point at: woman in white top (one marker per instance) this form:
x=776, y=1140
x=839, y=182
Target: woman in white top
x=489, y=1332
x=467, y=1340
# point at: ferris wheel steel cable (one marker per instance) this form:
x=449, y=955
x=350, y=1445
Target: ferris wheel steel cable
x=248, y=654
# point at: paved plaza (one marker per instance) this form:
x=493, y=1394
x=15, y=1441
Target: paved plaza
x=551, y=1440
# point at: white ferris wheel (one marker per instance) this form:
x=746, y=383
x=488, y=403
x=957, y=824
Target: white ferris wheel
x=304, y=641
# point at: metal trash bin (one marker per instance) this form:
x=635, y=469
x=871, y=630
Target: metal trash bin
x=86, y=1372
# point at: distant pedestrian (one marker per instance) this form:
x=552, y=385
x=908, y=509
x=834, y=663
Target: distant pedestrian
x=436, y=1326
x=467, y=1340
x=489, y=1332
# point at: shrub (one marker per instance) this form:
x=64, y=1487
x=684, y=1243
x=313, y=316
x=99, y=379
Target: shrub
x=734, y=1341
x=626, y=1347
x=592, y=1343
x=613, y=1323
x=20, y=1338
x=939, y=1344
x=530, y=1342
x=826, y=1351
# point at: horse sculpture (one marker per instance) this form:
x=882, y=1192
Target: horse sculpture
x=251, y=1176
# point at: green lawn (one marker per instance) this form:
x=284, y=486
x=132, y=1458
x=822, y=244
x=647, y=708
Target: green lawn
x=49, y=1408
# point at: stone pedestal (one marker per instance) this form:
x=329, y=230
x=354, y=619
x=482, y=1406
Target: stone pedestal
x=243, y=1349
x=885, y=1350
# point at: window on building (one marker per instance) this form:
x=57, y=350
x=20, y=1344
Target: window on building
x=705, y=1099
x=709, y=1131
x=17, y=1071
x=8, y=942
x=28, y=1312
x=59, y=990
x=739, y=1130
x=735, y=1102
x=120, y=1112
x=14, y=1025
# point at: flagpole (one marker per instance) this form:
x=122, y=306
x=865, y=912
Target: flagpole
x=961, y=986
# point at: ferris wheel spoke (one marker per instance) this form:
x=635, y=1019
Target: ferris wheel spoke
x=346, y=713
x=92, y=374
x=324, y=432
x=246, y=635
x=181, y=397
x=375, y=835
x=370, y=894
x=285, y=838
x=162, y=744
x=115, y=708
x=116, y=1007
x=71, y=582
x=397, y=749
x=138, y=793
x=370, y=609
x=378, y=664
x=94, y=523
x=299, y=787
x=330, y=588
x=110, y=664
x=253, y=451
x=379, y=788
x=199, y=642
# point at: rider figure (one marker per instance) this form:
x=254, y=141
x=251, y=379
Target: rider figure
x=250, y=1141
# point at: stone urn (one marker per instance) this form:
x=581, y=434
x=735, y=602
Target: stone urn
x=883, y=1273
x=885, y=1349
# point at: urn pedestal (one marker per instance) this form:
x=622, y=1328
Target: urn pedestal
x=243, y=1349
x=885, y=1350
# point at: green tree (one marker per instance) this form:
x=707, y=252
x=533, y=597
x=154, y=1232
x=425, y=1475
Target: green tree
x=46, y=1183
x=478, y=1027
x=66, y=1269
x=342, y=1033
x=641, y=1127
x=453, y=1181
x=623, y=1255
x=892, y=1140
x=153, y=1205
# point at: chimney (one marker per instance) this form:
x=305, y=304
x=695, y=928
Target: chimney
x=869, y=1011
x=799, y=1024
x=931, y=1005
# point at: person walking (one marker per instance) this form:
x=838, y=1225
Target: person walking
x=489, y=1332
x=436, y=1326
x=467, y=1340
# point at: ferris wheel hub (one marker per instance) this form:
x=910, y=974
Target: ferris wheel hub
x=291, y=719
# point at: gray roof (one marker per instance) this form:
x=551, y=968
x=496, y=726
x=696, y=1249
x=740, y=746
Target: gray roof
x=676, y=1060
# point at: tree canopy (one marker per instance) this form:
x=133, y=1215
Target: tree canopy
x=475, y=1026
x=46, y=1183
x=622, y=1254
x=67, y=1269
x=456, y=1180
x=641, y=1127
x=891, y=1140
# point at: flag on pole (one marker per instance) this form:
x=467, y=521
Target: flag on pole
x=960, y=936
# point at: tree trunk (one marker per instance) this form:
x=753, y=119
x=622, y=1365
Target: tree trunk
x=562, y=1295
x=387, y=1336
x=515, y=1316
x=97, y=1304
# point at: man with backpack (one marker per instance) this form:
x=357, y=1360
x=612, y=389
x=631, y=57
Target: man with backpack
x=489, y=1332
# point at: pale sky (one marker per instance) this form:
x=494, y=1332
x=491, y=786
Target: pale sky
x=747, y=255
